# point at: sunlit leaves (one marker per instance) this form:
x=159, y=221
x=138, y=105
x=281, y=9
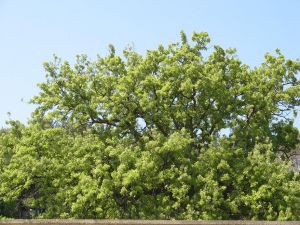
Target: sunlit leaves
x=186, y=131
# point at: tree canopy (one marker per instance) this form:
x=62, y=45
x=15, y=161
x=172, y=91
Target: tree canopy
x=186, y=131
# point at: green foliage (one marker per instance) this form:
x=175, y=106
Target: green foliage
x=141, y=137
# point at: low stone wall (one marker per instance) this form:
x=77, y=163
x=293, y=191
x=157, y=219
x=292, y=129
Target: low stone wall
x=144, y=222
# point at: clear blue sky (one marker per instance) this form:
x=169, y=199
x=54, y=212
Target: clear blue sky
x=31, y=31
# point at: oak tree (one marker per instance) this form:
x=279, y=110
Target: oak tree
x=186, y=131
